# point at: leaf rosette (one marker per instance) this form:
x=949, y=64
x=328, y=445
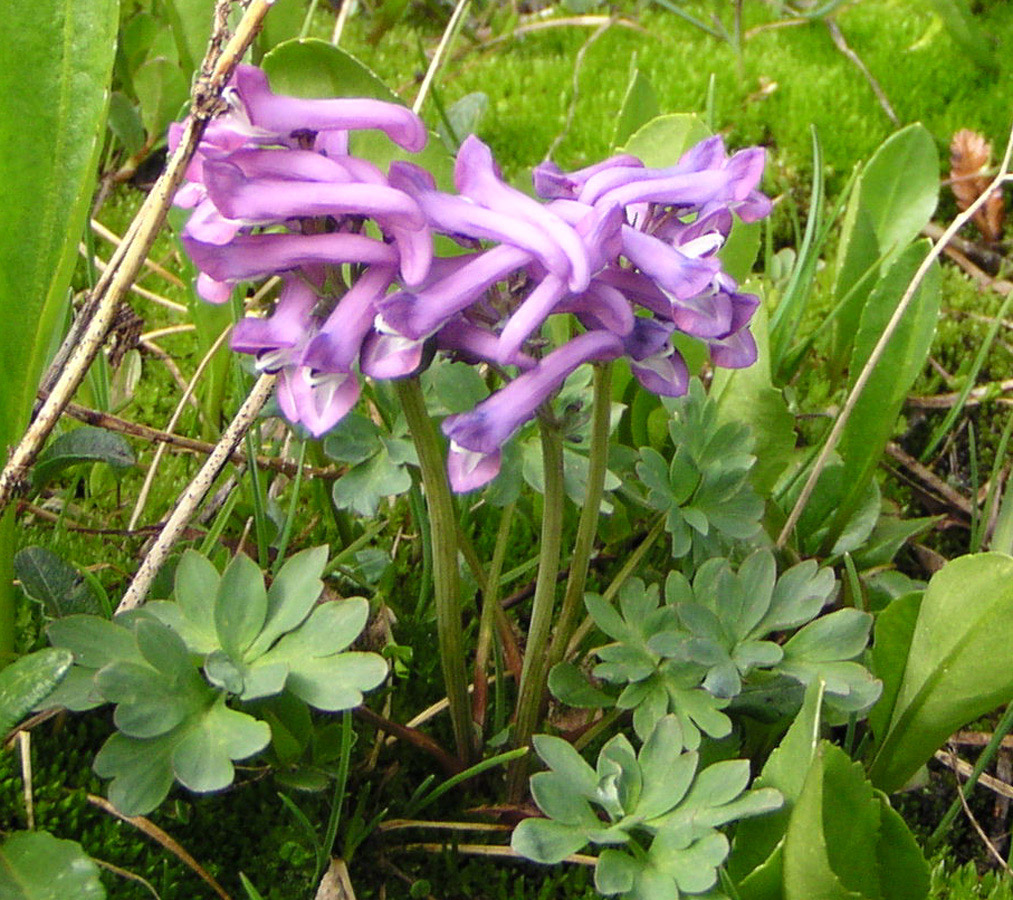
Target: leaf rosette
x=170, y=668
x=656, y=816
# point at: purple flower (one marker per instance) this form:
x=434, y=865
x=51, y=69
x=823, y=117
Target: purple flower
x=477, y=436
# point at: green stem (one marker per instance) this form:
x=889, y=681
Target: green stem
x=629, y=567
x=573, y=598
x=984, y=760
x=534, y=674
x=487, y=624
x=8, y=593
x=446, y=577
x=326, y=850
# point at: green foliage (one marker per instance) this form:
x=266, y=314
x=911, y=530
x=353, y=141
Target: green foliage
x=379, y=464
x=659, y=809
x=34, y=865
x=845, y=841
x=704, y=490
x=52, y=104
x=53, y=582
x=171, y=666
x=712, y=638
x=29, y=681
x=954, y=669
x=726, y=621
x=82, y=445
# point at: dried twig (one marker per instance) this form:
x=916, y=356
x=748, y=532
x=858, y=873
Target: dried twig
x=116, y=240
x=838, y=38
x=964, y=769
x=166, y=840
x=195, y=492
x=881, y=345
x=92, y=326
x=191, y=445
x=497, y=850
x=922, y=473
x=149, y=477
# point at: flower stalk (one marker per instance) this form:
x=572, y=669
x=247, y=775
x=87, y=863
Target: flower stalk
x=587, y=528
x=531, y=698
x=446, y=577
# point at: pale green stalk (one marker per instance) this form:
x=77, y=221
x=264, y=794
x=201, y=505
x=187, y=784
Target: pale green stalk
x=487, y=624
x=534, y=674
x=446, y=577
x=573, y=598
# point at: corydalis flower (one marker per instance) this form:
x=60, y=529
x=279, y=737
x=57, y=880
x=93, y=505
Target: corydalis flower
x=281, y=162
x=274, y=192
x=476, y=437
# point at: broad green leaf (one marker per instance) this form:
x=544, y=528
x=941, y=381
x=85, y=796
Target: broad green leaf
x=29, y=681
x=240, y=605
x=458, y=387
x=844, y=841
x=162, y=90
x=559, y=801
x=895, y=626
x=363, y=487
x=567, y=763
x=125, y=123
x=568, y=685
x=839, y=635
x=903, y=869
x=195, y=588
x=53, y=582
x=758, y=841
x=94, y=641
x=353, y=440
x=191, y=28
x=893, y=200
x=615, y=872
x=808, y=871
x=749, y=396
x=198, y=752
x=53, y=95
x=639, y=106
x=900, y=186
x=148, y=703
x=331, y=628
x=664, y=139
x=465, y=116
x=957, y=667
x=201, y=761
x=141, y=772
x=86, y=444
x=336, y=683
x=874, y=417
x=34, y=865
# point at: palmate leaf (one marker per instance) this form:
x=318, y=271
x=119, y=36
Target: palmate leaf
x=198, y=752
x=705, y=490
x=654, y=799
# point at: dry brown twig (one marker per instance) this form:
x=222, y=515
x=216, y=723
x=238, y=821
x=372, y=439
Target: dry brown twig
x=146, y=826
x=884, y=339
x=90, y=329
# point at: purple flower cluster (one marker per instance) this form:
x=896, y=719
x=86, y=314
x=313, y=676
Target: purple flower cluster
x=630, y=252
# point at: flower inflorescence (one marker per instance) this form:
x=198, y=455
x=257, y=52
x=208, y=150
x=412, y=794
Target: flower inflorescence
x=628, y=251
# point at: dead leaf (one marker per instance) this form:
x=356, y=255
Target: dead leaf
x=970, y=160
